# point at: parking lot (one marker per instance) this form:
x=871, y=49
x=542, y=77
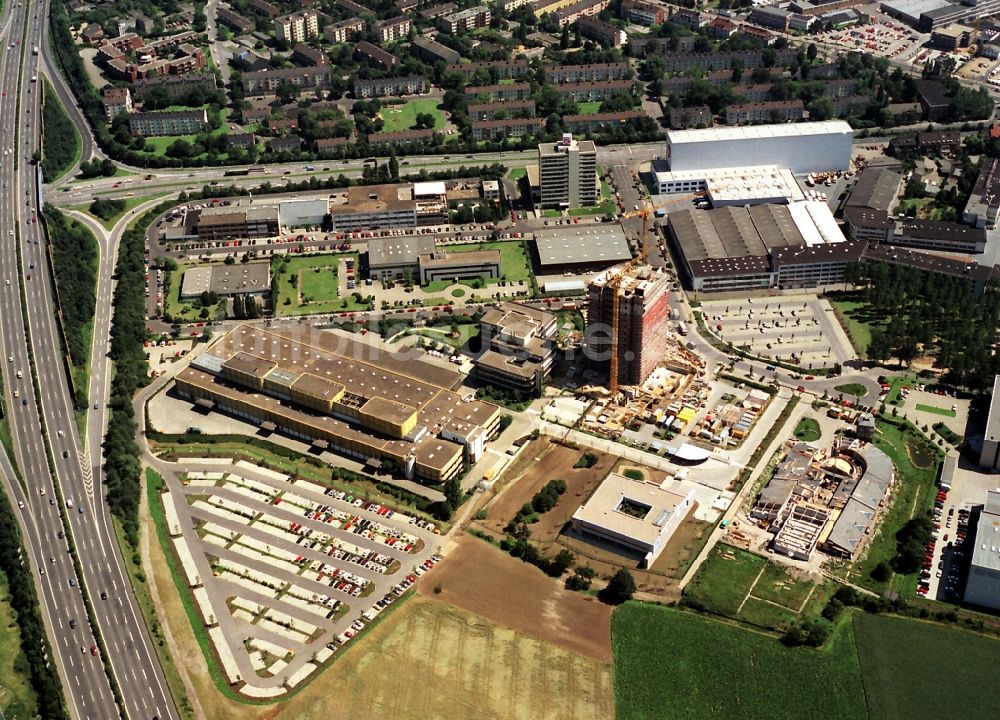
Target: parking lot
x=887, y=38
x=285, y=571
x=799, y=329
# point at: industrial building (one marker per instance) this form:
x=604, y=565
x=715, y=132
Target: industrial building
x=374, y=207
x=982, y=587
x=635, y=515
x=518, y=347
x=984, y=203
x=759, y=247
x=580, y=248
x=803, y=147
x=568, y=173
x=249, y=278
x=455, y=266
x=339, y=393
x=875, y=189
x=643, y=298
x=989, y=456
x=224, y=222
x=733, y=186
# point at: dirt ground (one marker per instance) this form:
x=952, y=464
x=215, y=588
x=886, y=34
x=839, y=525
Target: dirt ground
x=547, y=460
x=430, y=660
x=484, y=580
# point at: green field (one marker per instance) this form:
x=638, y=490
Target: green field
x=916, y=462
x=920, y=670
x=946, y=412
x=677, y=665
x=746, y=587
x=317, y=286
x=807, y=430
x=514, y=264
x=516, y=173
x=442, y=334
x=17, y=698
x=402, y=117
x=855, y=316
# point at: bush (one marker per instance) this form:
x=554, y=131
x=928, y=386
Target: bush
x=881, y=572
x=107, y=208
x=587, y=460
x=619, y=589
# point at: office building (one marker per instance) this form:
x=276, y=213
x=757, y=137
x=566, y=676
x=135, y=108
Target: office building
x=568, y=173
x=636, y=515
x=249, y=278
x=984, y=202
x=518, y=347
x=989, y=456
x=643, y=298
x=354, y=397
x=222, y=223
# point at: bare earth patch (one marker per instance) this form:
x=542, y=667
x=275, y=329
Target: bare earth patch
x=482, y=579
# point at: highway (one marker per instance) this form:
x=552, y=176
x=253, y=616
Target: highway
x=46, y=437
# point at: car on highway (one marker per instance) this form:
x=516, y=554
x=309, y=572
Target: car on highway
x=93, y=651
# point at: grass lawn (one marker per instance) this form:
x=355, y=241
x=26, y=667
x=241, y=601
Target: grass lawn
x=852, y=389
x=605, y=208
x=517, y=173
x=182, y=310
x=17, y=698
x=402, y=117
x=514, y=264
x=589, y=108
x=719, y=671
x=857, y=321
x=317, y=286
x=550, y=213
x=807, y=430
x=442, y=333
x=911, y=669
x=916, y=462
x=947, y=412
x=130, y=203
x=159, y=145
x=724, y=579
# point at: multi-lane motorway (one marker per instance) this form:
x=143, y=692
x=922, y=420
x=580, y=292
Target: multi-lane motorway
x=45, y=434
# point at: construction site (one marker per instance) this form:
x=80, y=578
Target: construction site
x=823, y=499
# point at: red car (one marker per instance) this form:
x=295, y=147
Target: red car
x=93, y=651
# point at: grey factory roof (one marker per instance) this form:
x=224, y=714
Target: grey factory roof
x=986, y=192
x=930, y=261
x=394, y=251
x=849, y=529
x=834, y=252
x=582, y=245
x=876, y=188
x=941, y=231
x=986, y=552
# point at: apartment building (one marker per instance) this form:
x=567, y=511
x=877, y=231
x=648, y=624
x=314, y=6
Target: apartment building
x=507, y=127
x=504, y=69
x=268, y=10
x=393, y=29
x=297, y=27
x=234, y=21
x=389, y=87
x=499, y=93
x=467, y=19
x=599, y=121
x=590, y=91
x=184, y=122
x=593, y=72
x=601, y=32
x=343, y=30
x=266, y=82
x=771, y=111
x=489, y=111
x=573, y=12
x=642, y=12
x=401, y=138
x=431, y=51
x=365, y=50
x=117, y=100
x=568, y=173
x=175, y=85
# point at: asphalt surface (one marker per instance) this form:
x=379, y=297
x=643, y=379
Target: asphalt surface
x=52, y=449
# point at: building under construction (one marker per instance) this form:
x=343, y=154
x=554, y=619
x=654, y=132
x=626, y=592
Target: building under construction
x=643, y=298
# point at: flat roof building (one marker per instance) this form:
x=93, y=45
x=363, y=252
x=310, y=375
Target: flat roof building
x=580, y=248
x=984, y=203
x=635, y=515
x=518, y=348
x=733, y=186
x=802, y=147
x=219, y=223
x=390, y=258
x=989, y=457
x=250, y=278
x=982, y=587
x=372, y=207
x=443, y=265
x=360, y=398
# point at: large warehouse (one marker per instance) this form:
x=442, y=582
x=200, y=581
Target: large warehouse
x=580, y=248
x=356, y=398
x=983, y=586
x=764, y=246
x=803, y=147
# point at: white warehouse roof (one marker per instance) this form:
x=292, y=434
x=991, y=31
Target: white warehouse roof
x=758, y=132
x=815, y=221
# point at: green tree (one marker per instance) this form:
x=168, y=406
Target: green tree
x=619, y=589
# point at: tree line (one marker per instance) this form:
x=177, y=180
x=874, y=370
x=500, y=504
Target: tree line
x=74, y=258
x=61, y=142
